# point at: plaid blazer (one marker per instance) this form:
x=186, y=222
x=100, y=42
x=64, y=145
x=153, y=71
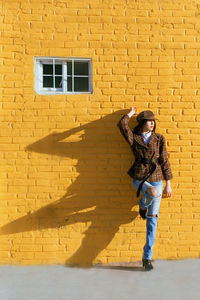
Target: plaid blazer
x=155, y=149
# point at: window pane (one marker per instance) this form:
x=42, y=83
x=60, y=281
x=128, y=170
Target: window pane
x=80, y=68
x=81, y=84
x=47, y=81
x=47, y=69
x=58, y=69
x=69, y=84
x=69, y=68
x=65, y=75
x=58, y=82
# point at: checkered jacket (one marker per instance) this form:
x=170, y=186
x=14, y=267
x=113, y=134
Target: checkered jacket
x=155, y=149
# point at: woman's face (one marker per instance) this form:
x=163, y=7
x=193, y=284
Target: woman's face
x=149, y=126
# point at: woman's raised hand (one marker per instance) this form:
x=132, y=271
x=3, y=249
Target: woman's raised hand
x=132, y=111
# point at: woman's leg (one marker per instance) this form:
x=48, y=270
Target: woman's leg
x=152, y=220
x=148, y=191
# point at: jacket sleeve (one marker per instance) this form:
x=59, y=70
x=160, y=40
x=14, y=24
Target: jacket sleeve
x=125, y=129
x=164, y=161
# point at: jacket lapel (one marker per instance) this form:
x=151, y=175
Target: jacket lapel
x=139, y=139
x=153, y=139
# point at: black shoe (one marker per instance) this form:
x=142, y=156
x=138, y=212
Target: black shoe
x=142, y=213
x=147, y=264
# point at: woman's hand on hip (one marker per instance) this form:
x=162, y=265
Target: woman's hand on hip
x=168, y=190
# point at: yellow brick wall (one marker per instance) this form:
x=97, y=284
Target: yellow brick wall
x=64, y=194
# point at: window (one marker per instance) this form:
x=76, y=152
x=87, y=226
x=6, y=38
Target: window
x=55, y=75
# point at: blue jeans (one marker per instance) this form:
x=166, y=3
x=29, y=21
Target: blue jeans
x=153, y=206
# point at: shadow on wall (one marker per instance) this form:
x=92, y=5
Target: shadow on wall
x=102, y=183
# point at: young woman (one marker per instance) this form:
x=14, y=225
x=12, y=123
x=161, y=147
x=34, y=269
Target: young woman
x=151, y=166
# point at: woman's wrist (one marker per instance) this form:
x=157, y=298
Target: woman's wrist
x=131, y=113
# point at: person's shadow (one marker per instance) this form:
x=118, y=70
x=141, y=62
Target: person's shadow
x=103, y=186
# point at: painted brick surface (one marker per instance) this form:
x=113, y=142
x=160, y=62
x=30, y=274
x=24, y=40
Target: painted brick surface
x=65, y=196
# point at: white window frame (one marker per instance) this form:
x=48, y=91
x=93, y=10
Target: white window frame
x=38, y=71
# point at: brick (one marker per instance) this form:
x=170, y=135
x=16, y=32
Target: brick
x=185, y=52
x=149, y=58
x=146, y=71
x=174, y=45
x=142, y=20
x=145, y=98
x=100, y=20
x=191, y=92
x=162, y=79
x=167, y=72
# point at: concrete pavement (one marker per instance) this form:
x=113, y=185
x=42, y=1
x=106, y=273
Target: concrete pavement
x=178, y=280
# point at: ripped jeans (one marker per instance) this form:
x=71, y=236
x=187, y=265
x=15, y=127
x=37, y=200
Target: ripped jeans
x=153, y=206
